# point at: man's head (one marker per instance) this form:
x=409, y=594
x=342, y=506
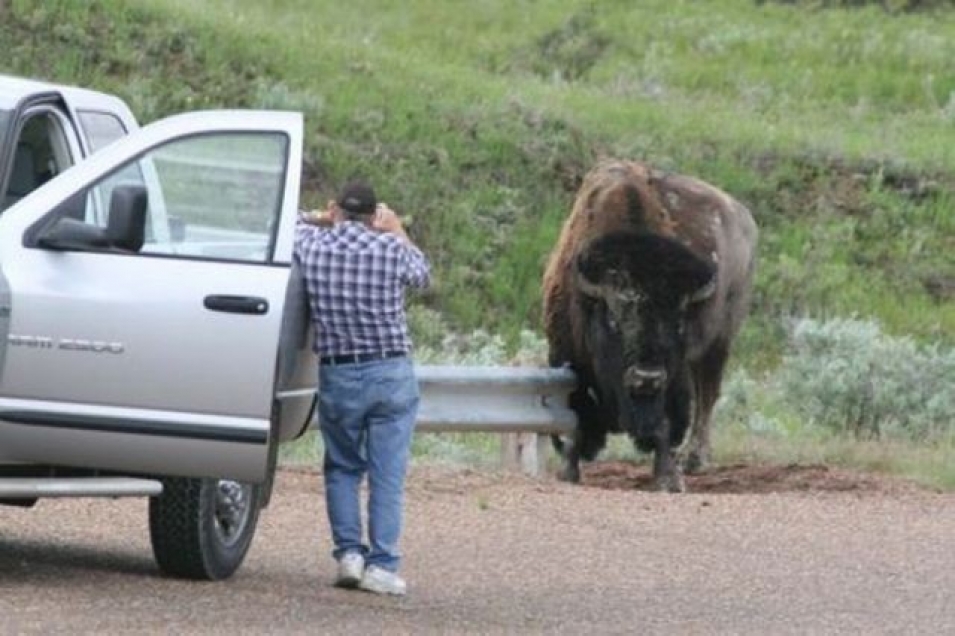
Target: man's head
x=357, y=201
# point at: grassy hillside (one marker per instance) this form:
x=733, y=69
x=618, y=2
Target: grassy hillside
x=478, y=119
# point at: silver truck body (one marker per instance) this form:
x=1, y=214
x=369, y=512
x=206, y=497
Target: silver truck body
x=188, y=357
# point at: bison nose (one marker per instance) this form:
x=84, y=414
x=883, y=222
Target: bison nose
x=645, y=380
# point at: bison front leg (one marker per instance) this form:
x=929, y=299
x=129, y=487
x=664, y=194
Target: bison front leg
x=667, y=476
x=669, y=436
x=653, y=432
x=588, y=438
x=570, y=469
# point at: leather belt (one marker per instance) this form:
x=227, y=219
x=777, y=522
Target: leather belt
x=356, y=358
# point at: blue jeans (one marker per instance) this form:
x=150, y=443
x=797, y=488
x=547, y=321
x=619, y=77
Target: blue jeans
x=367, y=413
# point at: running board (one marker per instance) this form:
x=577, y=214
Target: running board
x=34, y=487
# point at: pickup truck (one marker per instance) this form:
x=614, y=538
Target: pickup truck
x=154, y=336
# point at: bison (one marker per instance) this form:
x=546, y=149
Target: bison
x=644, y=292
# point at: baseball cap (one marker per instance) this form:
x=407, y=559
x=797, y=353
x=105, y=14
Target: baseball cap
x=357, y=197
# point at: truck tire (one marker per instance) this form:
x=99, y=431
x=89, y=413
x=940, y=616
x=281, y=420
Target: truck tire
x=202, y=528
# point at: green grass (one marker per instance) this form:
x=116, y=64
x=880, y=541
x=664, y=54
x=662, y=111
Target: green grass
x=479, y=119
x=475, y=450
x=926, y=464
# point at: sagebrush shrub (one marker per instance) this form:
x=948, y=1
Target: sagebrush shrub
x=848, y=376
x=481, y=348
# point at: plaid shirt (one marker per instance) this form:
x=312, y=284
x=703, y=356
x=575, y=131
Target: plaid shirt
x=355, y=279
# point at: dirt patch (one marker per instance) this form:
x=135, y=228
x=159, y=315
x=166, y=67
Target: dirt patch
x=749, y=479
x=735, y=479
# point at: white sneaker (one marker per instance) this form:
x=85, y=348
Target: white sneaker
x=350, y=568
x=381, y=581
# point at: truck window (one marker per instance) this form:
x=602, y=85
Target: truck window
x=220, y=195
x=101, y=129
x=41, y=152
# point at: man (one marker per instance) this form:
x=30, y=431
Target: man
x=357, y=261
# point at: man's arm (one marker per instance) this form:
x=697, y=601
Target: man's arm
x=308, y=225
x=415, y=268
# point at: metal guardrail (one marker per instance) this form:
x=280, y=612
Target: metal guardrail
x=525, y=404
x=495, y=399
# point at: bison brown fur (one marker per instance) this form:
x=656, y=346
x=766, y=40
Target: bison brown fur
x=644, y=293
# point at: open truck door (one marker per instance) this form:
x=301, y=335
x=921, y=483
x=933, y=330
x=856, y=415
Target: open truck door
x=142, y=298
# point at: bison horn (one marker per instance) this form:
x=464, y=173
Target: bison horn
x=702, y=293
x=589, y=288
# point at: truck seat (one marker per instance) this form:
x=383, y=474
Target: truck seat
x=23, y=176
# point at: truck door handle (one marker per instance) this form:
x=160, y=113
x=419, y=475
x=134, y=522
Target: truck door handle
x=236, y=304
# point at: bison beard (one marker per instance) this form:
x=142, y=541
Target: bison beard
x=646, y=415
x=643, y=294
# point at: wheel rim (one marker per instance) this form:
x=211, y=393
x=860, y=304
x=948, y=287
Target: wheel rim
x=232, y=511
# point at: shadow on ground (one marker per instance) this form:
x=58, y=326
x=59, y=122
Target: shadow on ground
x=39, y=560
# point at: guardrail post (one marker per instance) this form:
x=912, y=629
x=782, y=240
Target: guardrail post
x=526, y=452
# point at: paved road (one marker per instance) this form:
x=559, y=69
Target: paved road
x=493, y=554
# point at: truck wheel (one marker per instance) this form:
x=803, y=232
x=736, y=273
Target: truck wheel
x=202, y=528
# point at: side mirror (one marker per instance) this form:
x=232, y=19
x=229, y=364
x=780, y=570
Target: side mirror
x=125, y=228
x=68, y=233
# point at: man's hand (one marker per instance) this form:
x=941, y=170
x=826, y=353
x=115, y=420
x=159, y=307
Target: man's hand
x=386, y=220
x=321, y=218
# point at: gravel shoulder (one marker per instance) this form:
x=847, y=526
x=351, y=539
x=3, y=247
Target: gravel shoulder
x=798, y=550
